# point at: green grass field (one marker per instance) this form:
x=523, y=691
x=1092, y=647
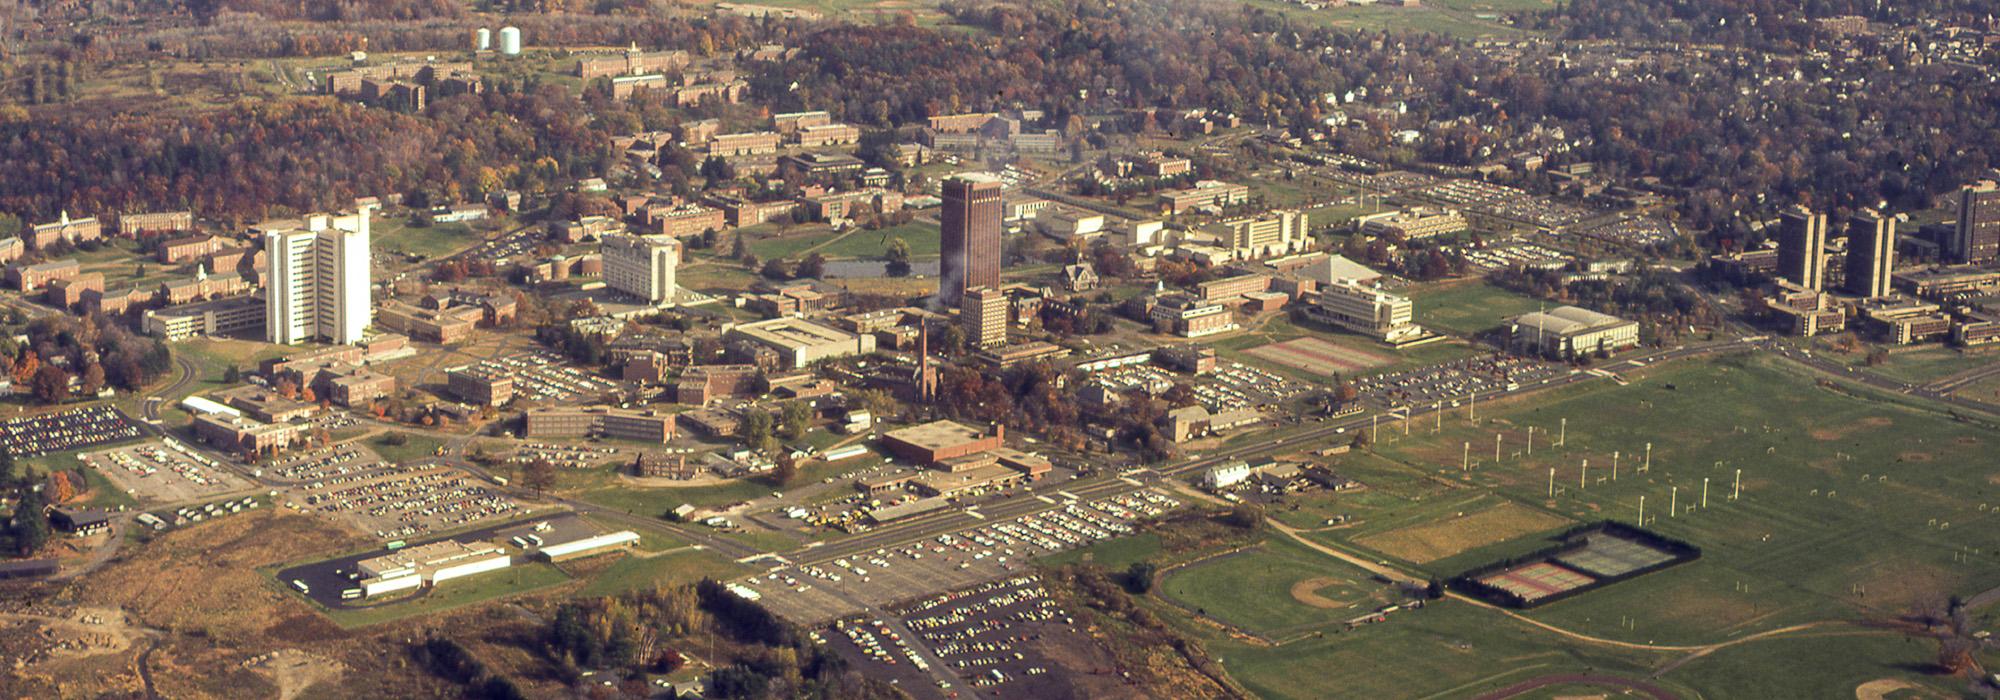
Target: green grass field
x=790, y=245
x=1260, y=589
x=1819, y=533
x=435, y=240
x=1468, y=307
x=415, y=446
x=1113, y=554
x=922, y=238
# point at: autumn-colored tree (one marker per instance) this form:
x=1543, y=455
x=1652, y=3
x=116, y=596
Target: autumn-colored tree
x=61, y=489
x=51, y=384
x=539, y=475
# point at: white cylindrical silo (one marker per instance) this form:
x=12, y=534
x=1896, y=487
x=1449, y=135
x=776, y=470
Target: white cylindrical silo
x=510, y=41
x=483, y=39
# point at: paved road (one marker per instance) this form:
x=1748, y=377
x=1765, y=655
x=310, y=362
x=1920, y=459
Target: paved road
x=1102, y=486
x=150, y=408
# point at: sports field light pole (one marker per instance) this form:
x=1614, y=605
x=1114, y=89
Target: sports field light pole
x=1496, y=447
x=1704, y=493
x=1583, y=476
x=1562, y=438
x=1552, y=482
x=1531, y=441
x=1374, y=431
x=1674, y=503
x=1438, y=409
x=1472, y=409
x=1649, y=459
x=1465, y=462
x=1642, y=511
x=1738, y=489
x=1614, y=465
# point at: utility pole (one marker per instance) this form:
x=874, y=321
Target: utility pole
x=1438, y=408
x=1472, y=411
x=1373, y=430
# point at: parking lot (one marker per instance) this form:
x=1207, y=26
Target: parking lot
x=563, y=456
x=48, y=433
x=1231, y=386
x=996, y=637
x=540, y=375
x=163, y=471
x=1456, y=380
x=825, y=591
x=389, y=501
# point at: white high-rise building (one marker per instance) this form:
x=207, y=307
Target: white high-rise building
x=318, y=287
x=642, y=266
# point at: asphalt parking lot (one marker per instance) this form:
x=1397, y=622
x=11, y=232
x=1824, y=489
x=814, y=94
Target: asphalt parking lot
x=1456, y=380
x=163, y=471
x=48, y=433
x=389, y=501
x=814, y=594
x=540, y=375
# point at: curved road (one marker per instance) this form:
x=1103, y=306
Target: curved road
x=1533, y=684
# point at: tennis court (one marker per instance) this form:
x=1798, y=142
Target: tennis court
x=1607, y=556
x=1538, y=580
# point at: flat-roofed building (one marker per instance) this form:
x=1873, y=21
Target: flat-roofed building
x=1941, y=282
x=1415, y=223
x=1204, y=194
x=1901, y=320
x=598, y=421
x=932, y=444
x=243, y=434
x=1977, y=236
x=823, y=135
x=800, y=343
x=1366, y=309
x=240, y=317
x=480, y=385
x=1570, y=331
x=192, y=248
x=642, y=266
x=969, y=226
x=983, y=314
x=702, y=384
x=1802, y=247
x=1274, y=233
x=1871, y=253
x=320, y=280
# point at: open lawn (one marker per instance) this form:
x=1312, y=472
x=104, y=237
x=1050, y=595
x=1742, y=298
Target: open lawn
x=416, y=446
x=1850, y=505
x=1275, y=589
x=1467, y=306
x=792, y=244
x=922, y=237
x=1442, y=538
x=1113, y=554
x=435, y=240
x=479, y=588
x=1279, y=328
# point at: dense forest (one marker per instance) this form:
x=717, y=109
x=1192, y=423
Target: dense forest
x=267, y=158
